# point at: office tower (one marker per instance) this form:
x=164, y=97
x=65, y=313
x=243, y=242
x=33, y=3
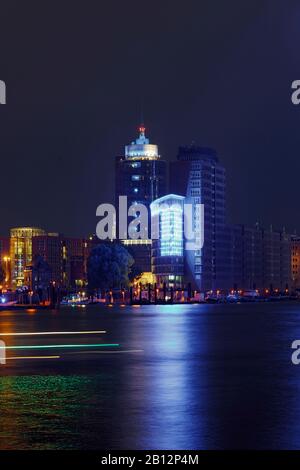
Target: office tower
x=141, y=176
x=198, y=175
x=168, y=248
x=21, y=251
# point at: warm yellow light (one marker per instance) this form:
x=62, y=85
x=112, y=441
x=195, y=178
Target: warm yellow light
x=48, y=333
x=31, y=357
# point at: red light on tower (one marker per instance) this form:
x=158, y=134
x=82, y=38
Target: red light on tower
x=142, y=129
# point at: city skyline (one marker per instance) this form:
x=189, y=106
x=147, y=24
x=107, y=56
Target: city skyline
x=149, y=231
x=89, y=231
x=66, y=120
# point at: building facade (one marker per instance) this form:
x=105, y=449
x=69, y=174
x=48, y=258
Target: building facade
x=168, y=246
x=198, y=176
x=141, y=176
x=49, y=247
x=21, y=252
x=260, y=259
x=295, y=261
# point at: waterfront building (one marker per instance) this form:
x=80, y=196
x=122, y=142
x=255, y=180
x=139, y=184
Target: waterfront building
x=199, y=176
x=168, y=249
x=285, y=261
x=37, y=277
x=295, y=261
x=260, y=259
x=49, y=247
x=21, y=251
x=76, y=261
x=236, y=256
x=66, y=256
x=252, y=257
x=141, y=176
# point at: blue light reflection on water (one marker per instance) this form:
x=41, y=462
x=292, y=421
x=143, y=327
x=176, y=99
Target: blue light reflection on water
x=208, y=376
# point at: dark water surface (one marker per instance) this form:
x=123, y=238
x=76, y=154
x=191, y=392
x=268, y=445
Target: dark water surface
x=182, y=377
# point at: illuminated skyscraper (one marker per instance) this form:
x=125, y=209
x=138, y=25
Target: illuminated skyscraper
x=141, y=176
x=198, y=175
x=168, y=249
x=140, y=173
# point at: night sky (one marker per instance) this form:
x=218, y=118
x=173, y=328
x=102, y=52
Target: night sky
x=217, y=73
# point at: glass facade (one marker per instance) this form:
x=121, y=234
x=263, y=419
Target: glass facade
x=168, y=249
x=21, y=251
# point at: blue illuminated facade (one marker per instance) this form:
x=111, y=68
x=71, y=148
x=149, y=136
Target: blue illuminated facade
x=168, y=250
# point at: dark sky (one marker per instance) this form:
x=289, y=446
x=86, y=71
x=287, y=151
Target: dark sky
x=211, y=71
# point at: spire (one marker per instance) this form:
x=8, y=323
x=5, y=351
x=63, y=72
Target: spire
x=142, y=130
x=142, y=139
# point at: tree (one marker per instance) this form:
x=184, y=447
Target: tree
x=41, y=271
x=109, y=265
x=135, y=274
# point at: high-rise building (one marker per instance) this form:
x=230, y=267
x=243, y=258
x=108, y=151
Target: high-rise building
x=141, y=176
x=168, y=248
x=198, y=175
x=21, y=251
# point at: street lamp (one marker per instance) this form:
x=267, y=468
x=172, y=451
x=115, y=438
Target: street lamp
x=6, y=260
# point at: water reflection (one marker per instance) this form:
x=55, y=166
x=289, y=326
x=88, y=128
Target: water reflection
x=204, y=377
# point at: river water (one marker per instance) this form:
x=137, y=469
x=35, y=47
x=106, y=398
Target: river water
x=170, y=377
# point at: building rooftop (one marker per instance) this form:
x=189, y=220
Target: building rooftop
x=141, y=148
